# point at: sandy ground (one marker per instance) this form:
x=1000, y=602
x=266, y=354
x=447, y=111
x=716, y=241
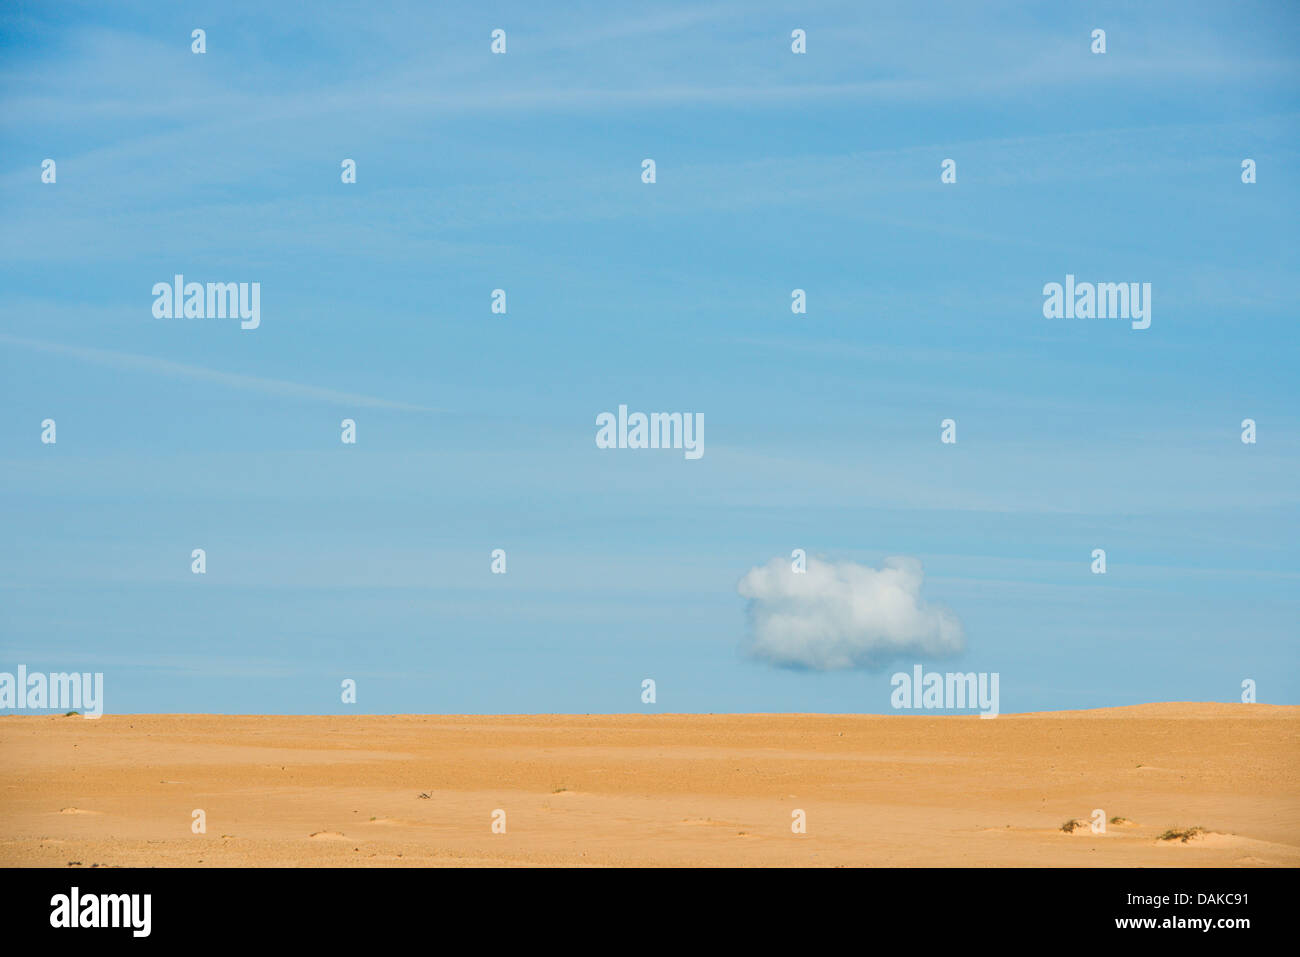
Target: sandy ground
x=655, y=790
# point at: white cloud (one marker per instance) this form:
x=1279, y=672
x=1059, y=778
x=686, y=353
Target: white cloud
x=841, y=615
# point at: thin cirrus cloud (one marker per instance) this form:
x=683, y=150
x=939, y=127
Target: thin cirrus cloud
x=235, y=380
x=837, y=616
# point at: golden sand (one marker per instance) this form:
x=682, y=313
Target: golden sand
x=675, y=790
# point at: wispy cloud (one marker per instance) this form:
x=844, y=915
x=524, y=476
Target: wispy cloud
x=234, y=380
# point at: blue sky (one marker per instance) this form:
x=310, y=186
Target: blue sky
x=775, y=171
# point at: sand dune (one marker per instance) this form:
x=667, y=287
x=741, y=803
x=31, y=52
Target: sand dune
x=656, y=790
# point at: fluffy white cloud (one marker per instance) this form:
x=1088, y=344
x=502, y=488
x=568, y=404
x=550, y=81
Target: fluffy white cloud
x=840, y=615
